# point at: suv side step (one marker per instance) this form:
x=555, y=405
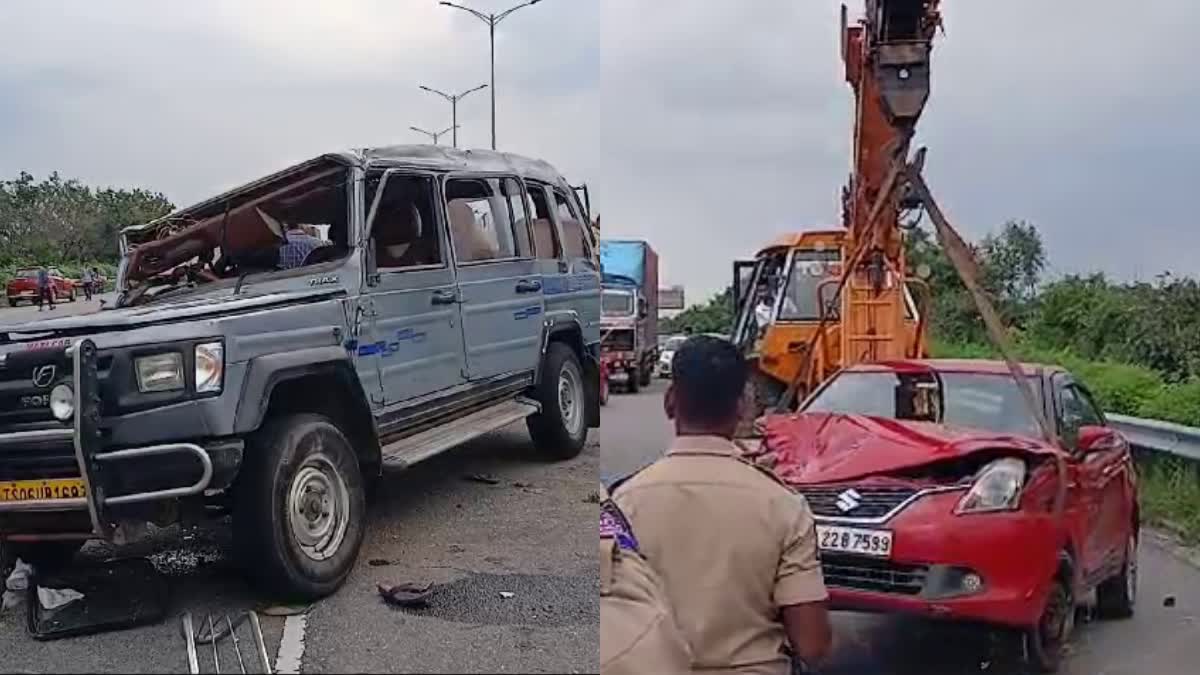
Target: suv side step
x=419, y=447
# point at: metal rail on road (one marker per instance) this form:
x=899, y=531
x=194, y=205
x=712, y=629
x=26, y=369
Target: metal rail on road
x=1158, y=436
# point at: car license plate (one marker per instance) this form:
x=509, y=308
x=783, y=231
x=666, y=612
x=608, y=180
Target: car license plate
x=875, y=543
x=619, y=377
x=42, y=490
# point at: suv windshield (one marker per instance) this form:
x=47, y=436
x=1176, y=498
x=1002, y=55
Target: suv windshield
x=617, y=303
x=990, y=402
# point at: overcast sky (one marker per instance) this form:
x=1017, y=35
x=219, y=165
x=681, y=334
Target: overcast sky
x=703, y=126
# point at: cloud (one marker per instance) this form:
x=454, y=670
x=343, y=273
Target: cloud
x=705, y=127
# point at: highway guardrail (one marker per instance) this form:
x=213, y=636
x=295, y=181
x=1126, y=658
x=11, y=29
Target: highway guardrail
x=1159, y=436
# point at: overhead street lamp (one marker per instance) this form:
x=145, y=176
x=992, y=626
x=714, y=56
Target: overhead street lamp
x=454, y=99
x=491, y=20
x=432, y=134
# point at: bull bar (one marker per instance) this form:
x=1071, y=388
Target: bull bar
x=90, y=456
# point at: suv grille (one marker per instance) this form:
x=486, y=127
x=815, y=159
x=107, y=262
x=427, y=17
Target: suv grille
x=26, y=379
x=867, y=502
x=868, y=574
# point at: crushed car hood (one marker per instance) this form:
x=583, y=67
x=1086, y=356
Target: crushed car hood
x=155, y=313
x=820, y=448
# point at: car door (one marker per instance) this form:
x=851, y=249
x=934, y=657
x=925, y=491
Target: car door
x=580, y=292
x=414, y=310
x=552, y=265
x=1114, y=501
x=1088, y=471
x=499, y=283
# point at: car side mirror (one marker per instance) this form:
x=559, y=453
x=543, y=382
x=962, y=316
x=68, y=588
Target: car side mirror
x=1095, y=438
x=643, y=310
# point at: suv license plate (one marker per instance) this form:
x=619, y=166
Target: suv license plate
x=42, y=490
x=874, y=543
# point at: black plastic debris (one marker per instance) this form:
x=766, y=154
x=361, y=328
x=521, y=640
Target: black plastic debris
x=379, y=562
x=483, y=478
x=1169, y=601
x=105, y=596
x=406, y=594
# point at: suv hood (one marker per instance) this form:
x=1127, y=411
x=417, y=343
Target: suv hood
x=823, y=447
x=127, y=318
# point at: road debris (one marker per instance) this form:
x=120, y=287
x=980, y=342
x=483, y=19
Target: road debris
x=507, y=594
x=379, y=562
x=53, y=598
x=236, y=647
x=286, y=610
x=1169, y=601
x=482, y=478
x=189, y=638
x=18, y=580
x=259, y=643
x=406, y=594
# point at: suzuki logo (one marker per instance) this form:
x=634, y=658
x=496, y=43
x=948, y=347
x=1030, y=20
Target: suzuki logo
x=848, y=500
x=44, y=376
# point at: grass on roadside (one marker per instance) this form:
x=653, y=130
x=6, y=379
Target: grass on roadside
x=1170, y=496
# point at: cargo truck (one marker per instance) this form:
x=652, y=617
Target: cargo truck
x=629, y=314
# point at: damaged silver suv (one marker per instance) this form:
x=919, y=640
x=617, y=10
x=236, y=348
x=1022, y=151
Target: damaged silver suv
x=274, y=349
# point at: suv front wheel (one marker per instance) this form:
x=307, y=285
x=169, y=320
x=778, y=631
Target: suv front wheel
x=300, y=508
x=560, y=430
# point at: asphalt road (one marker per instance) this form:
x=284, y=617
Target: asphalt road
x=1159, y=639
x=531, y=534
x=23, y=313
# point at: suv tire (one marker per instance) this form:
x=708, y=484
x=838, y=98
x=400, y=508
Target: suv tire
x=559, y=431
x=300, y=507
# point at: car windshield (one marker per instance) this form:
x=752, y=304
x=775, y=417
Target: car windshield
x=674, y=344
x=26, y=274
x=985, y=401
x=617, y=303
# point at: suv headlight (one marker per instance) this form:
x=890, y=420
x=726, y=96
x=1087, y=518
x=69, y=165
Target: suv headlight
x=159, y=372
x=997, y=487
x=210, y=367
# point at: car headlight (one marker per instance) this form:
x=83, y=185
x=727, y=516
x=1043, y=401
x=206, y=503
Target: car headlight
x=159, y=372
x=210, y=367
x=997, y=487
x=62, y=402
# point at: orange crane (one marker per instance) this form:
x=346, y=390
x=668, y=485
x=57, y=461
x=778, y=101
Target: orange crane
x=812, y=302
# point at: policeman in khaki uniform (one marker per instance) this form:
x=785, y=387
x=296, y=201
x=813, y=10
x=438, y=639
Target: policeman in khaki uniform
x=735, y=547
x=637, y=631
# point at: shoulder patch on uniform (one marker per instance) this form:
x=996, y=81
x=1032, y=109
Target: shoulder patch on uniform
x=614, y=525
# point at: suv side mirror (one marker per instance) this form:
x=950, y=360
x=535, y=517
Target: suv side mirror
x=1095, y=438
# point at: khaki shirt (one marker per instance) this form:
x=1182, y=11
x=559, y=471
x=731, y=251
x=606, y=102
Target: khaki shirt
x=637, y=631
x=733, y=545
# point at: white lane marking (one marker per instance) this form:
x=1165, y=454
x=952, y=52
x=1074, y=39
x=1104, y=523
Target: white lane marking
x=291, y=647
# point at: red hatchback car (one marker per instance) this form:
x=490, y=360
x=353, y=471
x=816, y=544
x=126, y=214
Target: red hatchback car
x=935, y=495
x=24, y=287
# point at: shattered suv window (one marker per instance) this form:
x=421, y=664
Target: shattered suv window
x=989, y=402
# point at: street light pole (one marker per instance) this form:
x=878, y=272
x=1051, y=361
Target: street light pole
x=454, y=99
x=491, y=20
x=435, y=135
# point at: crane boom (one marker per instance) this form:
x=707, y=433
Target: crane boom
x=887, y=58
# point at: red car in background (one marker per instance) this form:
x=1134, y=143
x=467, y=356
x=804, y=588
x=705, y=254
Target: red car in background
x=24, y=287
x=935, y=495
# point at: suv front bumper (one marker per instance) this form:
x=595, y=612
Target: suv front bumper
x=90, y=516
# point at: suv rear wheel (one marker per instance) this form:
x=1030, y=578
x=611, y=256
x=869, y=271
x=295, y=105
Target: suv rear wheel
x=300, y=509
x=560, y=430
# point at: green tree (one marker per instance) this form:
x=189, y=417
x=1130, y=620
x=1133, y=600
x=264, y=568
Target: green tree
x=57, y=220
x=714, y=316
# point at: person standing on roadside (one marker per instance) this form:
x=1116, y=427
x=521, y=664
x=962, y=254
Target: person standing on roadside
x=638, y=633
x=86, y=280
x=735, y=546
x=45, y=289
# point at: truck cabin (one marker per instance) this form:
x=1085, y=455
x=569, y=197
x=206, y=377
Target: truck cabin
x=792, y=282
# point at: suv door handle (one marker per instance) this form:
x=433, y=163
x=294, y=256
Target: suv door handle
x=529, y=286
x=444, y=298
